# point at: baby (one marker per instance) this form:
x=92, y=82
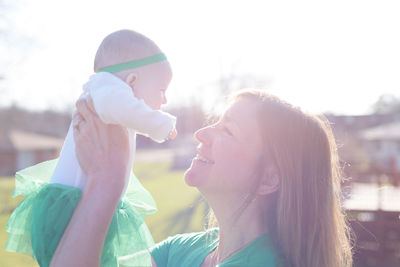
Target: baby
x=131, y=96
x=128, y=88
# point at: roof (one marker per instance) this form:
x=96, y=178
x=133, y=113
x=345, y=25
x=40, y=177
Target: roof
x=390, y=131
x=17, y=140
x=373, y=197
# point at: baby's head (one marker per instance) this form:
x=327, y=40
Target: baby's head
x=148, y=82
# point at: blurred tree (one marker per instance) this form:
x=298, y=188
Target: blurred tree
x=232, y=82
x=387, y=104
x=3, y=33
x=43, y=122
x=4, y=26
x=14, y=45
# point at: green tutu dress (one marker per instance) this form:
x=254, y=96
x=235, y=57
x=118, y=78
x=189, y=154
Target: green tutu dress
x=39, y=221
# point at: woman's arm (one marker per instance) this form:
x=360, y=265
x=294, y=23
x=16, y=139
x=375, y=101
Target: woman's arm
x=103, y=152
x=82, y=242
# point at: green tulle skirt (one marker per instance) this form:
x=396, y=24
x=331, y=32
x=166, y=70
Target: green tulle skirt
x=37, y=224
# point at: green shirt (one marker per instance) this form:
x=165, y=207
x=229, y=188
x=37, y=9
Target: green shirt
x=190, y=250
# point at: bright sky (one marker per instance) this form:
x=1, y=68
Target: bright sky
x=337, y=56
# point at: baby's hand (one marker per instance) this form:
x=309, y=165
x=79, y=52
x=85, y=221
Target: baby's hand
x=173, y=134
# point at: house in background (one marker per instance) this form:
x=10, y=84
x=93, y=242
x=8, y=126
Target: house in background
x=383, y=143
x=20, y=149
x=366, y=146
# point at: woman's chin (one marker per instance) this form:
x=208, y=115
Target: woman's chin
x=193, y=178
x=198, y=173
x=190, y=177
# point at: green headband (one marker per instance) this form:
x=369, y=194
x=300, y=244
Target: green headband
x=134, y=63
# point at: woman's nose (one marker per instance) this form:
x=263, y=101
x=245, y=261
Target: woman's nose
x=164, y=101
x=203, y=135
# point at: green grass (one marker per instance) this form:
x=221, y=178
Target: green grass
x=168, y=188
x=171, y=195
x=7, y=204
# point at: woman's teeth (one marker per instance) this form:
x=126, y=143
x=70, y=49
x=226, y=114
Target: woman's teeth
x=204, y=159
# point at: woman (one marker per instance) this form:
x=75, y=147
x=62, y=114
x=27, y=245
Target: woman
x=268, y=170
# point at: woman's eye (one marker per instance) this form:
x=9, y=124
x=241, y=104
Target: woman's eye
x=227, y=131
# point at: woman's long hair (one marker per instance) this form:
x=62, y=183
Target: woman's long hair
x=304, y=217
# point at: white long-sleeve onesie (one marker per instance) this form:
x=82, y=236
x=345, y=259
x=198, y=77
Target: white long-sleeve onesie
x=115, y=103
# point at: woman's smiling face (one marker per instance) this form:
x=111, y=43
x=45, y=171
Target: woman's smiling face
x=228, y=152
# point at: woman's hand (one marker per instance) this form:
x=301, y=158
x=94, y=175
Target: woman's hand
x=102, y=149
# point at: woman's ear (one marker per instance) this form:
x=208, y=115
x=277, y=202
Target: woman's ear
x=269, y=182
x=131, y=79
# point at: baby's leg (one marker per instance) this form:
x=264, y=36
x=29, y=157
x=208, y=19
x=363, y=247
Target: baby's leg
x=68, y=171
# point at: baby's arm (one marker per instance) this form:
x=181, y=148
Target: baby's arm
x=117, y=105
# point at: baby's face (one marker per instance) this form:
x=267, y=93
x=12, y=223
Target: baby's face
x=152, y=83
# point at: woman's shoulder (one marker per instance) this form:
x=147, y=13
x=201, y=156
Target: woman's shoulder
x=184, y=249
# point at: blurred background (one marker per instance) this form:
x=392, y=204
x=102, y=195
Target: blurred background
x=336, y=58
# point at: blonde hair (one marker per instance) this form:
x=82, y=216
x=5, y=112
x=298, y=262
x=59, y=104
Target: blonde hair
x=304, y=217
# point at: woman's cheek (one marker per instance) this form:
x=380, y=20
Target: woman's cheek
x=235, y=164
